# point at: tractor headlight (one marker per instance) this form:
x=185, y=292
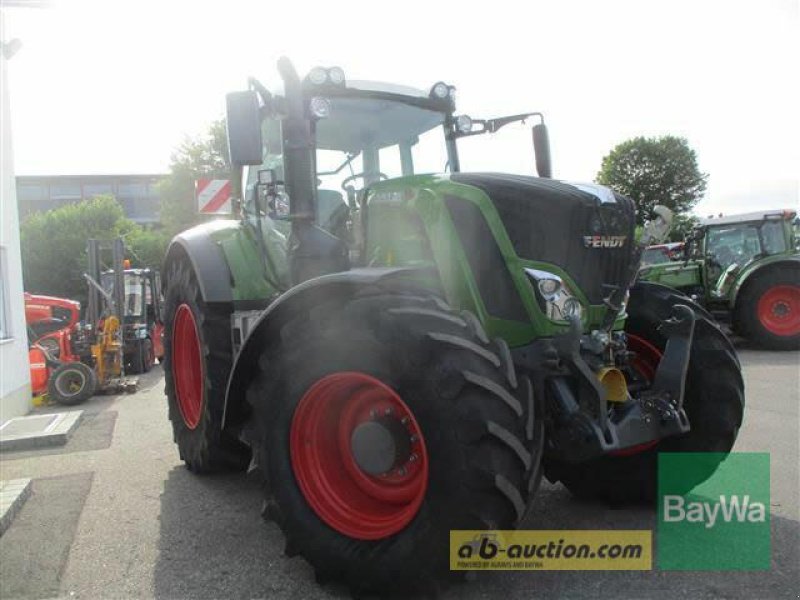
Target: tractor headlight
x=555, y=298
x=549, y=287
x=320, y=107
x=440, y=90
x=317, y=76
x=336, y=75
x=463, y=123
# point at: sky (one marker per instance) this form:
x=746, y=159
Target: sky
x=113, y=87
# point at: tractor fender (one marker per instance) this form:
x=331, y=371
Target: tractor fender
x=754, y=271
x=207, y=259
x=302, y=298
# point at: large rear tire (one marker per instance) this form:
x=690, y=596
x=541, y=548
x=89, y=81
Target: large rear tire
x=197, y=361
x=72, y=383
x=714, y=405
x=431, y=375
x=768, y=311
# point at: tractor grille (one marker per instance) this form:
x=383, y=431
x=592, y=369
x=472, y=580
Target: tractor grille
x=557, y=223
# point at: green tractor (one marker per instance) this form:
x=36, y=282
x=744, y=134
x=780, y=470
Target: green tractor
x=421, y=349
x=744, y=269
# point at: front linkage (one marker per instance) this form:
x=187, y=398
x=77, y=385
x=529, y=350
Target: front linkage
x=580, y=389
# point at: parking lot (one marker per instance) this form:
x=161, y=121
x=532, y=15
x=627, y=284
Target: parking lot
x=115, y=514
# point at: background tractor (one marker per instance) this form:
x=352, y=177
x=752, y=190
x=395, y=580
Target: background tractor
x=744, y=269
x=421, y=347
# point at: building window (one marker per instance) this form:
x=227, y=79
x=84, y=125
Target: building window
x=5, y=318
x=65, y=191
x=90, y=190
x=31, y=191
x=132, y=190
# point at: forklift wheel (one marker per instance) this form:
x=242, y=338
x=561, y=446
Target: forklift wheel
x=72, y=383
x=148, y=355
x=135, y=361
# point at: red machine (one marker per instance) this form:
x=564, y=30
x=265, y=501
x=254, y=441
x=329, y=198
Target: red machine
x=59, y=350
x=52, y=322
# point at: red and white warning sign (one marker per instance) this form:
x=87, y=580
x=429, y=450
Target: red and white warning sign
x=213, y=196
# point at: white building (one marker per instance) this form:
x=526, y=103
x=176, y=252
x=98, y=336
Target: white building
x=15, y=380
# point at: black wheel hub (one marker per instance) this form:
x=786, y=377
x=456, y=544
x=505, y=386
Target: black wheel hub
x=380, y=445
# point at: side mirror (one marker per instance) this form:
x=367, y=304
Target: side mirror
x=243, y=122
x=541, y=148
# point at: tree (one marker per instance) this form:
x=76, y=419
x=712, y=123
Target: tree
x=201, y=156
x=655, y=170
x=53, y=245
x=682, y=226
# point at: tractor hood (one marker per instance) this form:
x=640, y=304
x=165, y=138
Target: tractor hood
x=586, y=229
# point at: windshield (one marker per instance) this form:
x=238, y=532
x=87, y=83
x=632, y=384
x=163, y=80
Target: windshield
x=378, y=138
x=733, y=244
x=134, y=301
x=654, y=256
x=743, y=242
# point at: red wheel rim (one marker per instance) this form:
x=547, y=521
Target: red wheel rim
x=347, y=498
x=187, y=366
x=645, y=362
x=779, y=310
x=646, y=358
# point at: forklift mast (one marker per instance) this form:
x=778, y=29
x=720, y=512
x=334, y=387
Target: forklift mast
x=94, y=307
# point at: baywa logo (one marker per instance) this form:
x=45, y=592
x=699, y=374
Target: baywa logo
x=721, y=524
x=604, y=241
x=728, y=508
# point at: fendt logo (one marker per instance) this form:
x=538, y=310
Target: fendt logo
x=604, y=241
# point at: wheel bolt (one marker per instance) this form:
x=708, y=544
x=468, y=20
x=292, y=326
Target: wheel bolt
x=388, y=411
x=404, y=420
x=412, y=458
x=373, y=413
x=414, y=439
x=401, y=471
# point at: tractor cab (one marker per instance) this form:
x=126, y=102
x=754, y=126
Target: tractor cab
x=142, y=323
x=142, y=303
x=725, y=246
x=312, y=155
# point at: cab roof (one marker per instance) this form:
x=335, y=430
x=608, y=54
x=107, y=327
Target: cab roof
x=785, y=213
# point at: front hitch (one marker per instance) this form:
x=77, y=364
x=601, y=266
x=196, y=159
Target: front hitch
x=583, y=427
x=670, y=379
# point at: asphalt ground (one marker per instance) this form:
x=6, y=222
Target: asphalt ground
x=114, y=514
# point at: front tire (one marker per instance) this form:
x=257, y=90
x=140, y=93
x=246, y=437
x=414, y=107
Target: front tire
x=474, y=442
x=72, y=383
x=714, y=404
x=197, y=361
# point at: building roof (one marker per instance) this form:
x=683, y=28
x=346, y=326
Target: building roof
x=95, y=176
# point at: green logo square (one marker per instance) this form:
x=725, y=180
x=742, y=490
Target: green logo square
x=723, y=523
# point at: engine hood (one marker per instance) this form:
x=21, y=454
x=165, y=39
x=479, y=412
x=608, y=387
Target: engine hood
x=586, y=229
